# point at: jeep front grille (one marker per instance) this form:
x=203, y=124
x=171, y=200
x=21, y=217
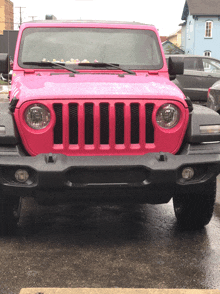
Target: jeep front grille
x=104, y=123
x=102, y=127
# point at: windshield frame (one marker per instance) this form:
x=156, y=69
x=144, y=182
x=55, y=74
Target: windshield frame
x=159, y=66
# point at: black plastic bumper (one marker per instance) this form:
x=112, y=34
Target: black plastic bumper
x=150, y=178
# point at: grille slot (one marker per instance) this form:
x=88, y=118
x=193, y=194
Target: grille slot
x=89, y=123
x=81, y=122
x=149, y=126
x=58, y=128
x=134, y=123
x=104, y=123
x=73, y=123
x=119, y=123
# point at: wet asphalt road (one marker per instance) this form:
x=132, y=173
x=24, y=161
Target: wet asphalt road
x=110, y=246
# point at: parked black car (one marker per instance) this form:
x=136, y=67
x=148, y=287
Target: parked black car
x=200, y=73
x=213, y=100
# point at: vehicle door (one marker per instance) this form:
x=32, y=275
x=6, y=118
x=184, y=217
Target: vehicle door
x=211, y=73
x=191, y=81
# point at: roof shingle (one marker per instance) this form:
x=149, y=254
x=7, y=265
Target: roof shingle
x=204, y=7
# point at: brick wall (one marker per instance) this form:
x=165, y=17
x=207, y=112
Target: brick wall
x=2, y=16
x=6, y=15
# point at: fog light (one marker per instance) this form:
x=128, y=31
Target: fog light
x=21, y=175
x=187, y=173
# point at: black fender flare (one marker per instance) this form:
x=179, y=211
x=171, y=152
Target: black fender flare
x=202, y=116
x=8, y=131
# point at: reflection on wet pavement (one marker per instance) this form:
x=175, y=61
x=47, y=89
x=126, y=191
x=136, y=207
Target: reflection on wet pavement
x=110, y=246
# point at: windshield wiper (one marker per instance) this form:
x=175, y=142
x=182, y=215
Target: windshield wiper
x=105, y=64
x=95, y=64
x=43, y=63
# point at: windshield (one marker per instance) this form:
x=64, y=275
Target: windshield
x=134, y=49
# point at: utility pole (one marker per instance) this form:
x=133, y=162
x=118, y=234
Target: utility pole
x=20, y=15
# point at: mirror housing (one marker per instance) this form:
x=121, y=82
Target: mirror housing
x=4, y=63
x=175, y=66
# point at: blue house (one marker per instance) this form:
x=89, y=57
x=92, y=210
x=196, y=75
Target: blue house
x=201, y=28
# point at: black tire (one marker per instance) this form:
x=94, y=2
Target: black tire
x=9, y=216
x=194, y=211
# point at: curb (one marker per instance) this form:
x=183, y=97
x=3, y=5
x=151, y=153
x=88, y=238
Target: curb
x=115, y=291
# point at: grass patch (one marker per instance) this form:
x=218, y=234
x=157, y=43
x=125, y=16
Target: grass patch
x=3, y=82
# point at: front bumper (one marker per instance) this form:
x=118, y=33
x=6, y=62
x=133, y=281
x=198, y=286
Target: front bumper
x=151, y=178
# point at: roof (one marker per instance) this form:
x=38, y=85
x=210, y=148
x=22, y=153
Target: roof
x=182, y=24
x=163, y=38
x=174, y=33
x=201, y=7
x=89, y=21
x=193, y=56
x=170, y=48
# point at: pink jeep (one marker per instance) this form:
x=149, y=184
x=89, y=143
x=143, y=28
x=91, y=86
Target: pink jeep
x=93, y=117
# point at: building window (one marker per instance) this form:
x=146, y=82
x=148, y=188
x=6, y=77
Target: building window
x=208, y=29
x=206, y=65
x=207, y=53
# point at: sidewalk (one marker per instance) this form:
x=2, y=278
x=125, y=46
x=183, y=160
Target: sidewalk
x=3, y=97
x=4, y=89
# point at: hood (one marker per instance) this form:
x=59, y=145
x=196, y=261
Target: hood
x=64, y=86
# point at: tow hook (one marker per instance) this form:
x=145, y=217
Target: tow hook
x=161, y=157
x=50, y=158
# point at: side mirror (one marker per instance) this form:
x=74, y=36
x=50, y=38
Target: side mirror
x=175, y=66
x=4, y=63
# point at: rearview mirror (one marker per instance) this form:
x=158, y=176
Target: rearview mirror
x=4, y=63
x=175, y=66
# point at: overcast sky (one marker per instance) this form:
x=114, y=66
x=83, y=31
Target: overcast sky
x=165, y=15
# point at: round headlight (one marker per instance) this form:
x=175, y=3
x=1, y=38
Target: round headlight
x=168, y=116
x=37, y=116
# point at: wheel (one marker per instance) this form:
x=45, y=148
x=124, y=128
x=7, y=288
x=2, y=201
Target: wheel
x=194, y=211
x=9, y=215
